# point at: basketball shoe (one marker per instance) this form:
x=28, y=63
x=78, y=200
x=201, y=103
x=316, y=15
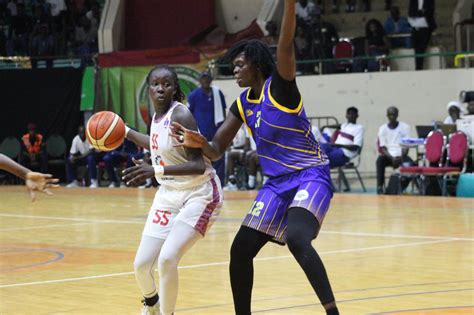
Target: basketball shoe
x=151, y=310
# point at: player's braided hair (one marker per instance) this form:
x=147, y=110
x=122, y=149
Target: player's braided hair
x=256, y=51
x=179, y=96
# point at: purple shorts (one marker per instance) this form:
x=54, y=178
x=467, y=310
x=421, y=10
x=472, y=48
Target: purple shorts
x=310, y=189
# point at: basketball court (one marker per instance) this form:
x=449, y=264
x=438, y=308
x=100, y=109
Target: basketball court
x=73, y=254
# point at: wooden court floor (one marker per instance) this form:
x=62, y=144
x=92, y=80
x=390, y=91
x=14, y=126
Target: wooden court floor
x=72, y=253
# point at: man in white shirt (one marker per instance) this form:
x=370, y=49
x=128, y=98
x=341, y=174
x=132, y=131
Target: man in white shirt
x=349, y=140
x=391, y=153
x=304, y=9
x=80, y=150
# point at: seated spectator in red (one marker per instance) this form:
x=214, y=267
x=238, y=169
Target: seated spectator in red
x=349, y=140
x=33, y=151
x=396, y=24
x=391, y=152
x=376, y=43
x=42, y=47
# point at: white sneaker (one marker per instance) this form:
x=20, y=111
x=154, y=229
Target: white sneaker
x=112, y=185
x=94, y=183
x=231, y=187
x=151, y=310
x=73, y=184
x=122, y=185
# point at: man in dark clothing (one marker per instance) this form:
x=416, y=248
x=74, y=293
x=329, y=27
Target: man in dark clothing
x=421, y=19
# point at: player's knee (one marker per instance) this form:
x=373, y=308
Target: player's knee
x=141, y=266
x=297, y=245
x=167, y=262
x=239, y=250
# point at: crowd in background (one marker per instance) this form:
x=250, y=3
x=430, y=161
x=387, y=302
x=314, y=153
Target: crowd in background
x=46, y=28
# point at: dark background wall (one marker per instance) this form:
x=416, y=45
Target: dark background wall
x=48, y=97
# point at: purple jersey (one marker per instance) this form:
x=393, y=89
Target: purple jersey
x=283, y=136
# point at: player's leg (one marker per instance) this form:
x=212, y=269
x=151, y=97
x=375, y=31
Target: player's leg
x=145, y=264
x=181, y=238
x=246, y=245
x=302, y=227
x=310, y=205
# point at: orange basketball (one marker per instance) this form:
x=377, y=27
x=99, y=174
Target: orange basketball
x=105, y=131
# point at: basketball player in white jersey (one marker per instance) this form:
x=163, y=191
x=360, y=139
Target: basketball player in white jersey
x=187, y=202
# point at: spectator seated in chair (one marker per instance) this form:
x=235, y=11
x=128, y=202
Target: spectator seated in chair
x=397, y=24
x=391, y=152
x=33, y=150
x=348, y=140
x=123, y=154
x=80, y=150
x=454, y=111
x=236, y=155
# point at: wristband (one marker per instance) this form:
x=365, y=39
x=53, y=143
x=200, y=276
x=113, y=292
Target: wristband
x=159, y=170
x=127, y=129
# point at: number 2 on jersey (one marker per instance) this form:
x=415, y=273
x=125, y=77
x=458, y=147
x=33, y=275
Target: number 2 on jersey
x=256, y=208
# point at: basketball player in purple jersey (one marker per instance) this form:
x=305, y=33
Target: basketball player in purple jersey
x=34, y=181
x=291, y=205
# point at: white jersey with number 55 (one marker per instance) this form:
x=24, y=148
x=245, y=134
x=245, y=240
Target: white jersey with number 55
x=163, y=152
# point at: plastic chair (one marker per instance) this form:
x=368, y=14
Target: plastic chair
x=10, y=147
x=434, y=149
x=350, y=166
x=56, y=151
x=343, y=49
x=456, y=162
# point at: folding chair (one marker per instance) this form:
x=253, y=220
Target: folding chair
x=352, y=165
x=10, y=146
x=456, y=162
x=434, y=149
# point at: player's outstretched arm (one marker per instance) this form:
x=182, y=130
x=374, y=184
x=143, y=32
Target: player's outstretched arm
x=34, y=181
x=138, y=138
x=221, y=141
x=286, y=62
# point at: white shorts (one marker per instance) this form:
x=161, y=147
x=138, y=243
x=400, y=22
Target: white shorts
x=198, y=206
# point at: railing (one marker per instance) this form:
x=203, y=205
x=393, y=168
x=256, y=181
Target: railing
x=28, y=62
x=450, y=58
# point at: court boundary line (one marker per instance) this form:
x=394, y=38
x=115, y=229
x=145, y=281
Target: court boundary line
x=2, y=286
x=99, y=220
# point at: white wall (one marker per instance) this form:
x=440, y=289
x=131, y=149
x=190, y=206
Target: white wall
x=421, y=97
x=234, y=16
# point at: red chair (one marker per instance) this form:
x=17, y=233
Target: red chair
x=434, y=149
x=456, y=162
x=343, y=49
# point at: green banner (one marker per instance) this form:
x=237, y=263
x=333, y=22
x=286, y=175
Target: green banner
x=125, y=92
x=88, y=93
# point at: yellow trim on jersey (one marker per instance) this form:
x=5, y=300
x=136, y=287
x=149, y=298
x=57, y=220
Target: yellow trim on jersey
x=254, y=101
x=273, y=218
x=289, y=148
x=280, y=127
x=279, y=162
x=281, y=107
x=242, y=115
x=264, y=212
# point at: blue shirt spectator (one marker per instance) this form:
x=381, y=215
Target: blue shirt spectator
x=396, y=24
x=207, y=104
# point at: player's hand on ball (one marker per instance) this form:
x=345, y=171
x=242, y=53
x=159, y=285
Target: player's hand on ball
x=40, y=182
x=136, y=175
x=186, y=137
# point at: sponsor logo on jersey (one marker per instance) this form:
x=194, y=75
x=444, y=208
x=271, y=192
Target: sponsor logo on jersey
x=301, y=195
x=248, y=112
